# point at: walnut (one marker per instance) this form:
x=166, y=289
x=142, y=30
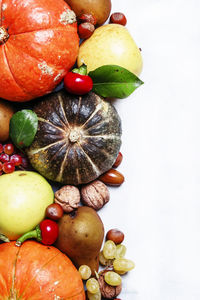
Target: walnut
x=68, y=197
x=108, y=291
x=95, y=194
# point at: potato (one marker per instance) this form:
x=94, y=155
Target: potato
x=6, y=112
x=110, y=44
x=98, y=8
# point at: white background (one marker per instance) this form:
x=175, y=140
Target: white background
x=158, y=206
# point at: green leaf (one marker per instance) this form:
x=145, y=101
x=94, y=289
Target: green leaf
x=23, y=127
x=114, y=81
x=4, y=238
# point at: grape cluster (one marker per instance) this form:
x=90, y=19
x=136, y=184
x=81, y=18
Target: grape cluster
x=113, y=258
x=10, y=159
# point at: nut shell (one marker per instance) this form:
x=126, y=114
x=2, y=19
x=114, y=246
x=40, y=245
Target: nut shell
x=68, y=197
x=95, y=194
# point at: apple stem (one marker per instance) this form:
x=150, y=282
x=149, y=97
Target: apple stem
x=33, y=234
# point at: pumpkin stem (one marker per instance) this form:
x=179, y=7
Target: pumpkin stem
x=74, y=136
x=4, y=36
x=34, y=234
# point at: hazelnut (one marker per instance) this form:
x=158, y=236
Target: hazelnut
x=68, y=197
x=85, y=30
x=54, y=211
x=108, y=291
x=88, y=18
x=115, y=235
x=95, y=194
x=118, y=18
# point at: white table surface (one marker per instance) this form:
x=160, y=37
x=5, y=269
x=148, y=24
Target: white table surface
x=158, y=206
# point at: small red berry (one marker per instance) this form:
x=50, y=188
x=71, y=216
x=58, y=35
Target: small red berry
x=4, y=158
x=78, y=84
x=8, y=149
x=8, y=167
x=1, y=166
x=16, y=159
x=1, y=148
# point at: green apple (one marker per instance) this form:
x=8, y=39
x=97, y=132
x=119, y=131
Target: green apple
x=24, y=196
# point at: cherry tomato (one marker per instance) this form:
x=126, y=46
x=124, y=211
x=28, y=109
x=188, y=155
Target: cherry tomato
x=78, y=84
x=46, y=233
x=49, y=231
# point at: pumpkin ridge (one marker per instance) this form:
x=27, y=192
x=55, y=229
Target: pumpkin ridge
x=107, y=136
x=62, y=107
x=97, y=109
x=12, y=290
x=56, y=68
x=96, y=170
x=54, y=156
x=41, y=29
x=62, y=165
x=30, y=282
x=14, y=78
x=44, y=148
x=78, y=111
x=48, y=122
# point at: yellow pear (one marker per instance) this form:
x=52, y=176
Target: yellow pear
x=110, y=44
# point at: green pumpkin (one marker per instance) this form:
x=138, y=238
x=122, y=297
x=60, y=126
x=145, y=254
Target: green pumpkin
x=78, y=137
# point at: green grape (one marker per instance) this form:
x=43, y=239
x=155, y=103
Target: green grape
x=96, y=296
x=103, y=261
x=123, y=265
x=120, y=251
x=85, y=272
x=109, y=249
x=92, y=285
x=112, y=278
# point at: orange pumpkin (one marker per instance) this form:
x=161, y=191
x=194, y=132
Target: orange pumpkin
x=38, y=45
x=37, y=272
